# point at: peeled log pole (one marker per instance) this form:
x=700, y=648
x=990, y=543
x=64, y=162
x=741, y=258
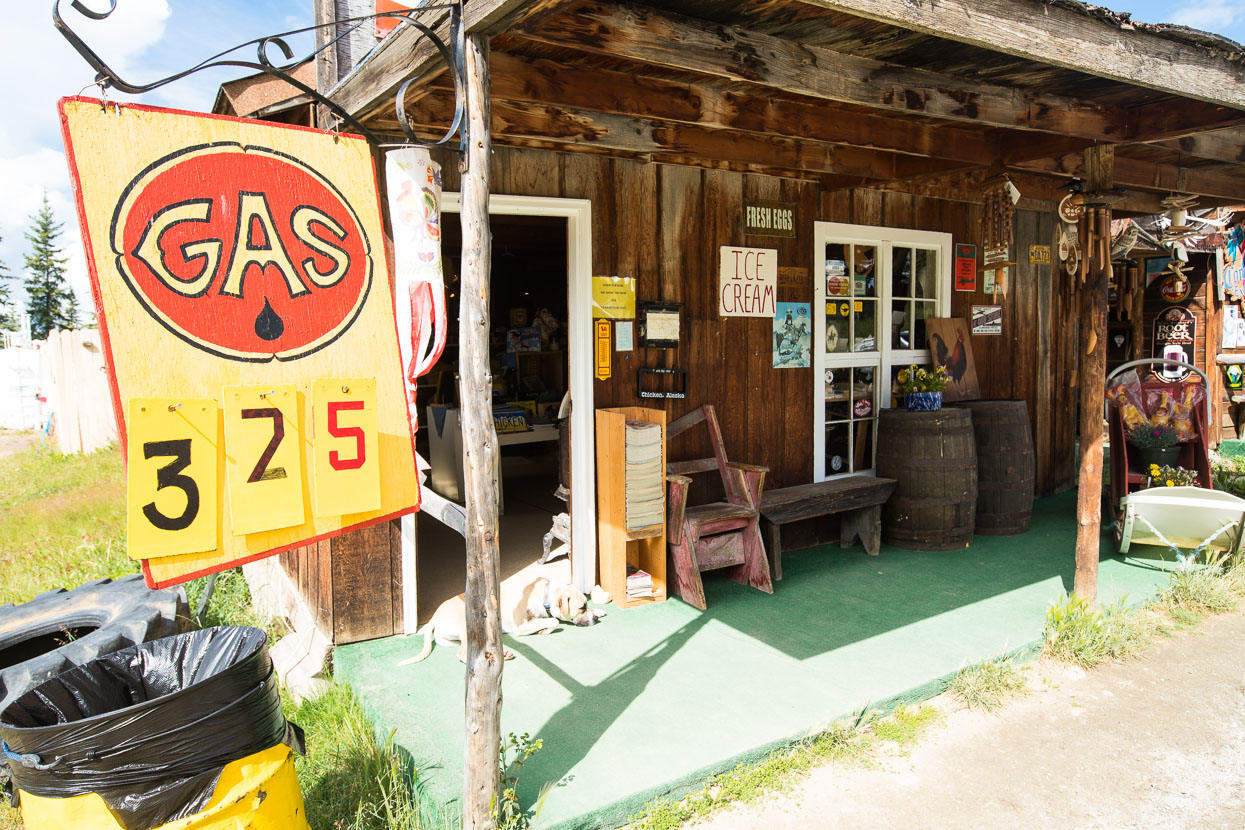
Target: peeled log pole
x=484, y=650
x=1099, y=163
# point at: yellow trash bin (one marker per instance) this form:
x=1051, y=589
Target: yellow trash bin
x=184, y=733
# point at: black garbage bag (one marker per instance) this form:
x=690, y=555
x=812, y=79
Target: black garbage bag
x=149, y=728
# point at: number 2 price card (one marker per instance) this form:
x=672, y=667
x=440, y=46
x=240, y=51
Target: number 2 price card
x=347, y=469
x=263, y=457
x=171, y=493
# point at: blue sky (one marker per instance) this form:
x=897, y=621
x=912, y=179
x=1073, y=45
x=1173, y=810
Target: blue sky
x=147, y=39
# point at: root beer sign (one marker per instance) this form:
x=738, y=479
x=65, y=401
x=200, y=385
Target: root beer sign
x=244, y=305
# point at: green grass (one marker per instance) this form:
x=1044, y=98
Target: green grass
x=989, y=684
x=847, y=741
x=1078, y=633
x=62, y=521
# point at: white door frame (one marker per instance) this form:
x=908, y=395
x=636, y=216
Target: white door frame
x=885, y=357
x=578, y=215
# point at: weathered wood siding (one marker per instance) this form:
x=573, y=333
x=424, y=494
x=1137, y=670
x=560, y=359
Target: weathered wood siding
x=664, y=224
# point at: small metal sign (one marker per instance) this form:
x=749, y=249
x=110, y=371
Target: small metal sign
x=1039, y=255
x=965, y=267
x=790, y=276
x=764, y=218
x=987, y=319
x=1175, y=338
x=603, y=364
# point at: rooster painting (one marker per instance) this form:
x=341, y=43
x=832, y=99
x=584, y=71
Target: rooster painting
x=957, y=358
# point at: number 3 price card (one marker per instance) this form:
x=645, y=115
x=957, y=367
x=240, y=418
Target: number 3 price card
x=243, y=262
x=171, y=477
x=347, y=470
x=263, y=457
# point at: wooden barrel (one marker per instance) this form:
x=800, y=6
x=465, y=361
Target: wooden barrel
x=1005, y=466
x=933, y=456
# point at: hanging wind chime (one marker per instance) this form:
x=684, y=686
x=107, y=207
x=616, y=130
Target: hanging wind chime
x=998, y=210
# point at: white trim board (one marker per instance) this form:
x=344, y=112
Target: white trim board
x=578, y=215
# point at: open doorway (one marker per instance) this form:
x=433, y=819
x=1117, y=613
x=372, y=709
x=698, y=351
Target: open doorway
x=540, y=319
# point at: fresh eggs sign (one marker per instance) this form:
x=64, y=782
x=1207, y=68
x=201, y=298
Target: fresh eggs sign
x=244, y=305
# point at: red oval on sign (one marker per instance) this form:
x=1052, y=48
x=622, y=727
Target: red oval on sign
x=243, y=252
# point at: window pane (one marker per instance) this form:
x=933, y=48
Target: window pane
x=837, y=282
x=862, y=447
x=838, y=455
x=923, y=310
x=864, y=328
x=901, y=272
x=838, y=394
x=926, y=274
x=864, y=283
x=901, y=324
x=838, y=323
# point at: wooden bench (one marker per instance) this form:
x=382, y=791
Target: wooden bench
x=859, y=498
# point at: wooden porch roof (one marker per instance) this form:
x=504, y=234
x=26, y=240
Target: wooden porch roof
x=923, y=97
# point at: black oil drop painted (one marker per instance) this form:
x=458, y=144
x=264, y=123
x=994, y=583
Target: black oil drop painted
x=268, y=324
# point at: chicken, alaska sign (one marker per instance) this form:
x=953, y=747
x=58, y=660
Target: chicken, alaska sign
x=245, y=308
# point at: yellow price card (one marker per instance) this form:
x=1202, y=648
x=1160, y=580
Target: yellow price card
x=171, y=492
x=263, y=457
x=345, y=448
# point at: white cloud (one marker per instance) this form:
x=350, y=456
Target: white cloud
x=1211, y=15
x=41, y=68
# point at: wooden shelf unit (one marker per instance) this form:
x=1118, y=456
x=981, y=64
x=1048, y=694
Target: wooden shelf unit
x=616, y=546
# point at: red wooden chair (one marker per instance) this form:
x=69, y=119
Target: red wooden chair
x=723, y=534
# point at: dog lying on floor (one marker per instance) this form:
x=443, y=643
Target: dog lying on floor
x=528, y=606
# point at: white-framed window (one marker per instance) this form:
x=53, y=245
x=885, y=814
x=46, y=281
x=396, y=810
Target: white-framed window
x=873, y=292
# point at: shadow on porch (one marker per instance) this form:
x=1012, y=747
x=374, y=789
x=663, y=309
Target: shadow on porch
x=654, y=700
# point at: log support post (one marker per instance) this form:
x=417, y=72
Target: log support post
x=481, y=796
x=1096, y=239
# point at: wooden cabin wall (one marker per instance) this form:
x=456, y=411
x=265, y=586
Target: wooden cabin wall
x=664, y=224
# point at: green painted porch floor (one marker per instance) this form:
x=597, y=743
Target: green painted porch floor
x=652, y=701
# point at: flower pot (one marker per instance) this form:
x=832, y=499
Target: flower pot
x=1163, y=456
x=922, y=401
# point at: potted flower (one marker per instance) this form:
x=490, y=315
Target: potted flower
x=1172, y=476
x=1156, y=444
x=922, y=387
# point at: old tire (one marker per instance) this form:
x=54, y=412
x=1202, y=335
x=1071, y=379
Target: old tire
x=60, y=629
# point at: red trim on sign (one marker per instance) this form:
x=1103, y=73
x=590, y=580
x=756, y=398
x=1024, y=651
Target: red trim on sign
x=225, y=566
x=250, y=121
x=75, y=181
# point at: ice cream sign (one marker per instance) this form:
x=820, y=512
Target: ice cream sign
x=747, y=281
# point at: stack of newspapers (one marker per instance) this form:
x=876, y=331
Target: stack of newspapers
x=645, y=492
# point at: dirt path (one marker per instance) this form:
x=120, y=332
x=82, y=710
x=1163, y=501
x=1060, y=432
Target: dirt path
x=13, y=442
x=1158, y=742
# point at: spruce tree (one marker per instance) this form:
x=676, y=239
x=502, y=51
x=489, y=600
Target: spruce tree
x=8, y=313
x=49, y=299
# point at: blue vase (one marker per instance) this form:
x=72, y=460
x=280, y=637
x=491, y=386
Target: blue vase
x=922, y=401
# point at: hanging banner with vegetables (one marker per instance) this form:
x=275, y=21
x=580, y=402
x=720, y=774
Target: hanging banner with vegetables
x=248, y=326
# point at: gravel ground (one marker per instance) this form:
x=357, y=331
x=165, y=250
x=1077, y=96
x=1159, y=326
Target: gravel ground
x=1156, y=742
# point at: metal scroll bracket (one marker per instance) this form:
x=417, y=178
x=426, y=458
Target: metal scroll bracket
x=452, y=54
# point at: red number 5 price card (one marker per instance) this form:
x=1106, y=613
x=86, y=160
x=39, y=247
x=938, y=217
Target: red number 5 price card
x=171, y=504
x=346, y=458
x=263, y=457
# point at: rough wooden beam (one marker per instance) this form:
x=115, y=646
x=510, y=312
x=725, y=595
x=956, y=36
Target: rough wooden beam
x=1222, y=145
x=575, y=127
x=1145, y=175
x=1050, y=34
x=1092, y=372
x=1178, y=118
x=535, y=81
x=406, y=54
x=326, y=60
x=676, y=42
x=481, y=790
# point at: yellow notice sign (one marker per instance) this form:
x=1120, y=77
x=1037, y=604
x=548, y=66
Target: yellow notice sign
x=613, y=297
x=603, y=350
x=263, y=457
x=346, y=460
x=171, y=499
